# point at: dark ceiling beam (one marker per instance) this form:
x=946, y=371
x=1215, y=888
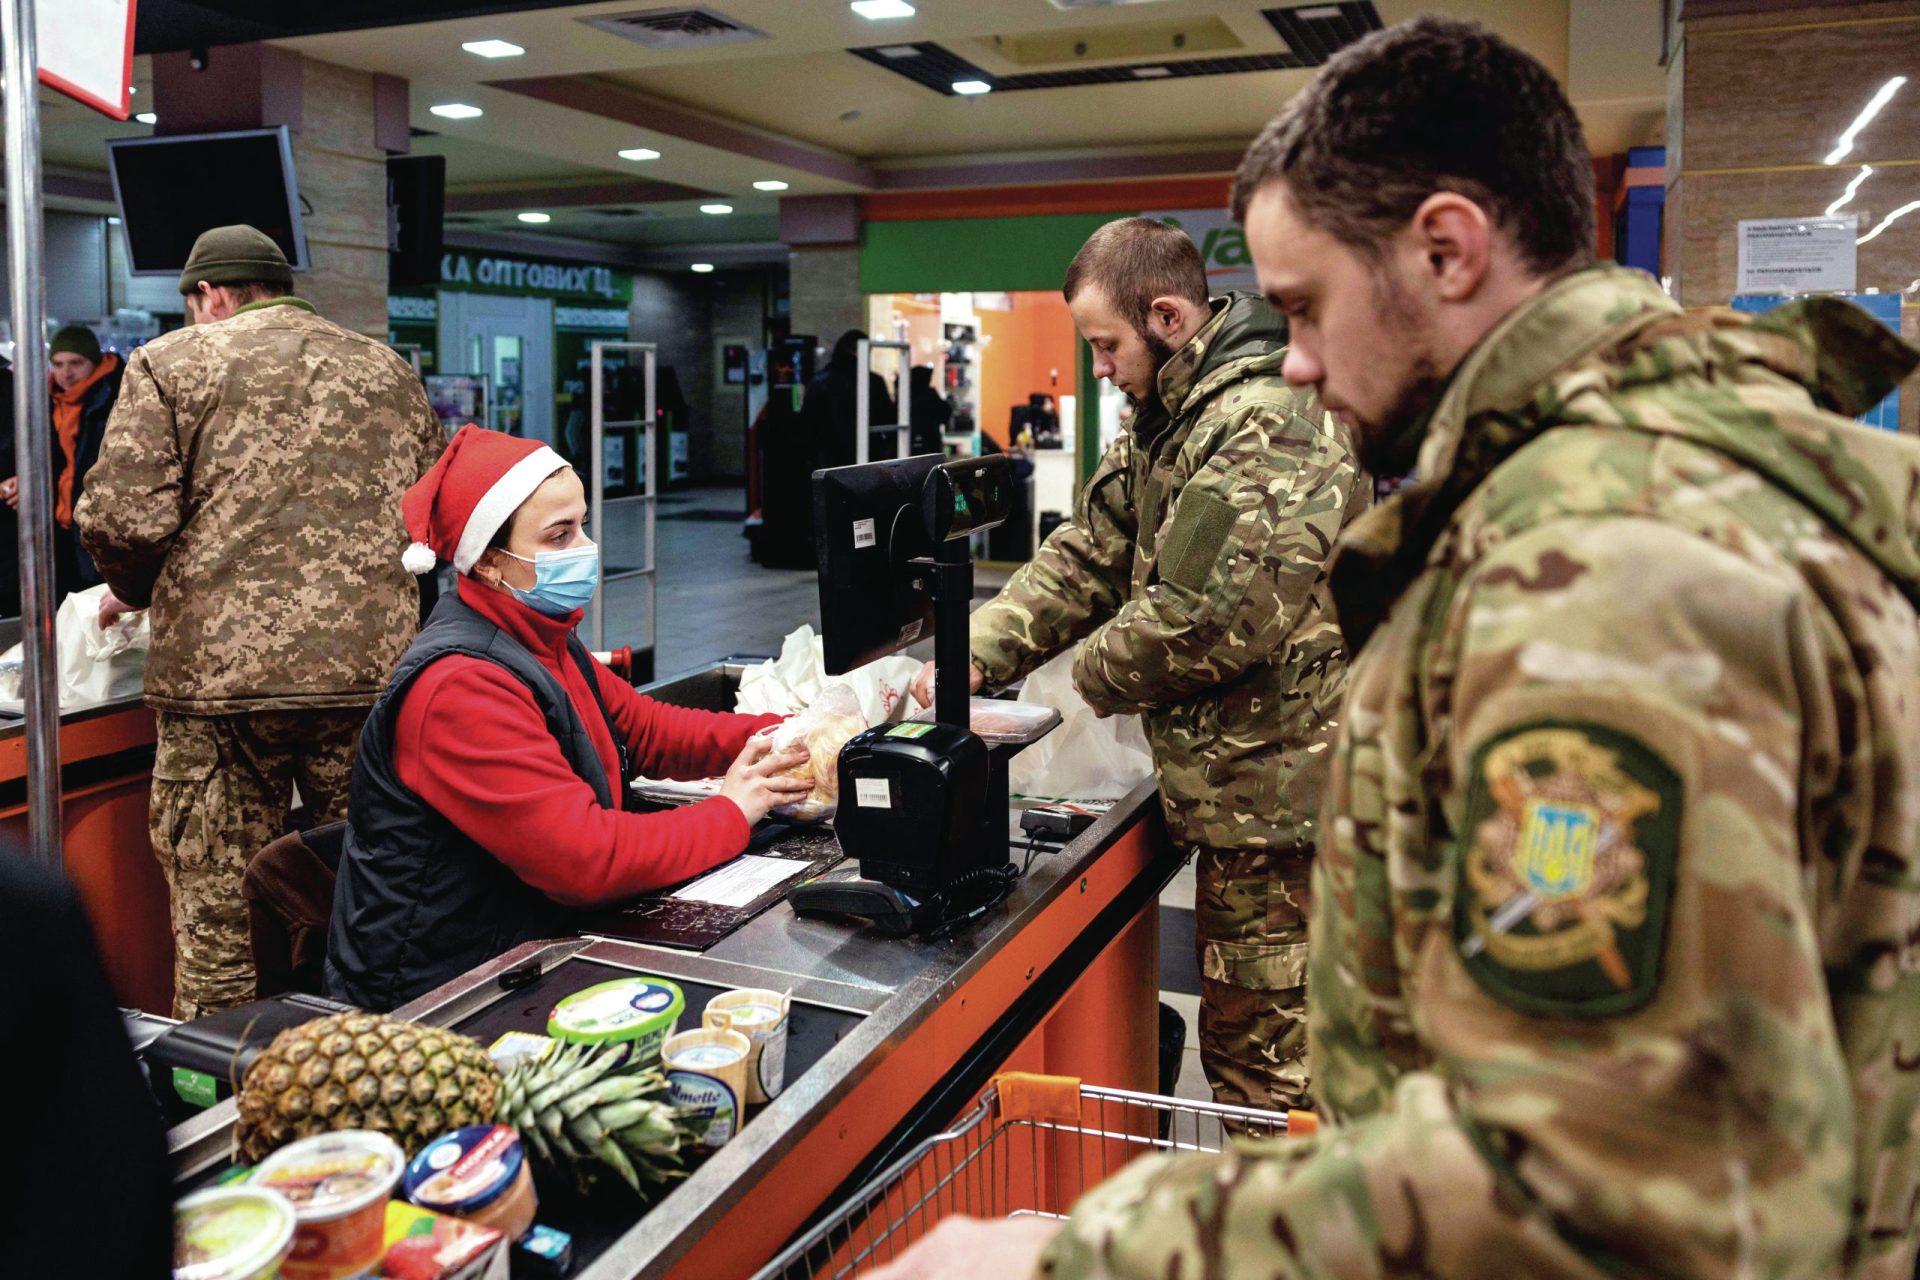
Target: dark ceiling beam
x=613, y=102
x=1014, y=172
x=571, y=196
x=78, y=186
x=168, y=26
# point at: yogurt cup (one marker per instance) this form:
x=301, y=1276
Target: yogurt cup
x=339, y=1184
x=761, y=1015
x=231, y=1233
x=707, y=1073
x=639, y=1012
x=479, y=1173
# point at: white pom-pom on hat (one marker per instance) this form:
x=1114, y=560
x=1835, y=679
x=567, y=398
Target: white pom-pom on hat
x=418, y=558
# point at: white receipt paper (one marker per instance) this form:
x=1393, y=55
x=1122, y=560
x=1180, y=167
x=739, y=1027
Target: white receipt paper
x=740, y=881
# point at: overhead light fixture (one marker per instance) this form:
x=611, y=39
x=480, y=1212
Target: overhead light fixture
x=716, y=208
x=702, y=268
x=112, y=221
x=536, y=218
x=898, y=51
x=1880, y=98
x=769, y=184
x=1151, y=73
x=1890, y=219
x=147, y=117
x=455, y=110
x=639, y=153
x=971, y=87
x=875, y=10
x=493, y=48
x=1866, y=170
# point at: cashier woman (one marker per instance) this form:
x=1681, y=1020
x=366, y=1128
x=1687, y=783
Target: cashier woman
x=487, y=801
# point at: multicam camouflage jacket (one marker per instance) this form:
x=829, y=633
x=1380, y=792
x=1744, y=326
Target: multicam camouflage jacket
x=249, y=488
x=1193, y=576
x=1616, y=942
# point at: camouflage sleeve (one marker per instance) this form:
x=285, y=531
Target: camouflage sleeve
x=1633, y=1067
x=134, y=504
x=1080, y=576
x=1245, y=542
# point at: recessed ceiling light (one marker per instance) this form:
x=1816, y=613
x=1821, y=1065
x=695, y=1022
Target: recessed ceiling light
x=971, y=87
x=147, y=117
x=455, y=110
x=874, y=10
x=112, y=221
x=639, y=153
x=702, y=268
x=897, y=51
x=716, y=208
x=1150, y=73
x=493, y=48
x=769, y=184
x=531, y=216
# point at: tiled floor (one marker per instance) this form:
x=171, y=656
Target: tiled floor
x=715, y=602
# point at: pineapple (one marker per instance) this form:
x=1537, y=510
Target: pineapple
x=581, y=1110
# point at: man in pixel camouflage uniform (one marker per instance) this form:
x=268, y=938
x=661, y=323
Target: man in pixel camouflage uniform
x=1192, y=578
x=1616, y=961
x=249, y=490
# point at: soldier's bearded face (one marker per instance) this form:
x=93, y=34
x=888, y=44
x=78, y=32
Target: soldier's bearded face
x=1359, y=333
x=1128, y=357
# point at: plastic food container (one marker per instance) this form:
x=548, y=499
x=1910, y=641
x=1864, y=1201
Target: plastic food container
x=759, y=1014
x=339, y=1184
x=231, y=1233
x=479, y=1173
x=640, y=1012
x=707, y=1074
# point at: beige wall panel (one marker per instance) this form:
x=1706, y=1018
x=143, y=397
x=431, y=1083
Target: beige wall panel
x=337, y=109
x=343, y=175
x=823, y=285
x=348, y=285
x=348, y=195
x=1783, y=98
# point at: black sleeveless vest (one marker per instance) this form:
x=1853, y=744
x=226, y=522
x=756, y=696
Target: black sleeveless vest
x=417, y=903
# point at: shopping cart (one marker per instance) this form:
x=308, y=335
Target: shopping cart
x=1029, y=1148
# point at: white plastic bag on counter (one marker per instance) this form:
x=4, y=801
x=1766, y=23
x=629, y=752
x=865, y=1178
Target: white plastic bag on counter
x=822, y=729
x=96, y=664
x=1086, y=758
x=791, y=683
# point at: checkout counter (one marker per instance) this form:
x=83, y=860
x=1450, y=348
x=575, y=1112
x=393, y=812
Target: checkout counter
x=106, y=773
x=890, y=1039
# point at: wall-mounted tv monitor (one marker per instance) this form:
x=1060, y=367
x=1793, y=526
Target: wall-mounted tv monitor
x=171, y=189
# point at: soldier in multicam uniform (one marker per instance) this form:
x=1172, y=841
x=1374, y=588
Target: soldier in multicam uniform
x=249, y=489
x=1616, y=961
x=1192, y=578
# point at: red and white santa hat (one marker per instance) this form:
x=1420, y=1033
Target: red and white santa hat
x=453, y=511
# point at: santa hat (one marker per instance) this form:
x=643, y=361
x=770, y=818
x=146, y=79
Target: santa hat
x=454, y=510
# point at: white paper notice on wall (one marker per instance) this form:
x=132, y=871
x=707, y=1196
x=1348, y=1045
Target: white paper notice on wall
x=1798, y=255
x=86, y=51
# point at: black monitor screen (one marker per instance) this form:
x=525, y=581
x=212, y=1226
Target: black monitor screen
x=867, y=528
x=171, y=189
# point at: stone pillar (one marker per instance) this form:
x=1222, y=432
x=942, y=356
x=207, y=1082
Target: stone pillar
x=343, y=124
x=822, y=234
x=1760, y=96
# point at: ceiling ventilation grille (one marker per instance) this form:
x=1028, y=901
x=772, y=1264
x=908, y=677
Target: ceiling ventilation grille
x=1315, y=32
x=936, y=67
x=683, y=28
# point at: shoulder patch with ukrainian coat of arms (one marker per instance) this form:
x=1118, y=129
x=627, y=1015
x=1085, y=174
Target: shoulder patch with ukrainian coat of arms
x=1566, y=870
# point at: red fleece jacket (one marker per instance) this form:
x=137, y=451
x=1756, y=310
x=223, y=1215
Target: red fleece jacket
x=471, y=742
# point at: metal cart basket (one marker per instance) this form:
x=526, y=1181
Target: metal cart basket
x=1028, y=1148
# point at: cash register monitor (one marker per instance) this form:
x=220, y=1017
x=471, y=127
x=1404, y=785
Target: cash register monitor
x=867, y=530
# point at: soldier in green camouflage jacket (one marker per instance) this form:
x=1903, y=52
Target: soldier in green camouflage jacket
x=1192, y=578
x=1616, y=962
x=248, y=489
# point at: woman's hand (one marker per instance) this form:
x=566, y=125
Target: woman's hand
x=760, y=780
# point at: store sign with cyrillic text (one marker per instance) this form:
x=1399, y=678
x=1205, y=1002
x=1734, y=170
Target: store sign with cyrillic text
x=527, y=277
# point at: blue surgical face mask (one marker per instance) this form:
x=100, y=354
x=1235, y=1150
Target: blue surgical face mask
x=562, y=580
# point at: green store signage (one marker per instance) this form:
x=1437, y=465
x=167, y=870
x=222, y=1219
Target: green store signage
x=526, y=276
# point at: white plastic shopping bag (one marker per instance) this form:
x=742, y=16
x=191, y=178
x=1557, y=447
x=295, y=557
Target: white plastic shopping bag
x=96, y=664
x=1086, y=758
x=795, y=680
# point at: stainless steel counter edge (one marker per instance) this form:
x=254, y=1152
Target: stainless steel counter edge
x=670, y=1227
x=13, y=726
